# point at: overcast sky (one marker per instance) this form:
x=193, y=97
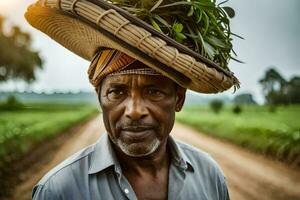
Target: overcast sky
x=271, y=30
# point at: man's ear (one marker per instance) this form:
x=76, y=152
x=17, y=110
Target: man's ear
x=180, y=98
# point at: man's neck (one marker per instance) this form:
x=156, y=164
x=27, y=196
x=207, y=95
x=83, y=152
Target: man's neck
x=148, y=176
x=151, y=165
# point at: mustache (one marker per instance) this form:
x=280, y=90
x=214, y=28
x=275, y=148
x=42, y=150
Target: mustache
x=137, y=126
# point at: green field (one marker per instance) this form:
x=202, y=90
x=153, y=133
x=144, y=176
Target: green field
x=20, y=130
x=272, y=133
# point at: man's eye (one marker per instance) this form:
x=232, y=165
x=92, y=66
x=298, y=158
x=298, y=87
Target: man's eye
x=115, y=94
x=155, y=94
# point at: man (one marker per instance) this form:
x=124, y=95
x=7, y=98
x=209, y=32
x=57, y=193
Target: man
x=137, y=159
x=139, y=93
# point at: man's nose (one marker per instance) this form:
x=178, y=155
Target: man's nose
x=136, y=108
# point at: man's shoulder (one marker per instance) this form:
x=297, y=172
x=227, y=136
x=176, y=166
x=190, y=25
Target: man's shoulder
x=199, y=159
x=206, y=173
x=193, y=153
x=61, y=177
x=72, y=163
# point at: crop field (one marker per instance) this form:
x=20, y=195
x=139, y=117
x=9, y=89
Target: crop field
x=272, y=133
x=20, y=130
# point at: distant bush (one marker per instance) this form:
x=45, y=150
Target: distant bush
x=237, y=109
x=11, y=103
x=216, y=105
x=272, y=108
x=246, y=98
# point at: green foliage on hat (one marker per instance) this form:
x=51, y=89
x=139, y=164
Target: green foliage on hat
x=201, y=25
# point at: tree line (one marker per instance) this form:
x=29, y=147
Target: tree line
x=18, y=61
x=279, y=91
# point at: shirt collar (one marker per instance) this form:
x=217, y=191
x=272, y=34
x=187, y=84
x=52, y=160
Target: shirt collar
x=104, y=156
x=178, y=156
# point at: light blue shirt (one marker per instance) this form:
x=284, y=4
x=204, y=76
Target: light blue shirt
x=94, y=173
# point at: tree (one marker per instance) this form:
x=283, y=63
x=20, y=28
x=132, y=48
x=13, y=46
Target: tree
x=293, y=90
x=273, y=85
x=244, y=99
x=12, y=103
x=17, y=59
x=216, y=105
x=279, y=91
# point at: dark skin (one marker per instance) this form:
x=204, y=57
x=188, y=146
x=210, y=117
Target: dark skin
x=139, y=113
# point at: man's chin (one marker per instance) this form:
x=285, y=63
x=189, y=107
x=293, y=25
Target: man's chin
x=138, y=149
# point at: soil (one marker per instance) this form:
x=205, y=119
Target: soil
x=250, y=176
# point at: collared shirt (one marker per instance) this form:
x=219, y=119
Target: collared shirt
x=94, y=173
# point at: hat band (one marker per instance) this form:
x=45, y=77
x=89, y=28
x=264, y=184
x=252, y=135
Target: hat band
x=139, y=71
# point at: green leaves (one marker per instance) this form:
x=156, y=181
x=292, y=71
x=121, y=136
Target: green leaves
x=162, y=21
x=230, y=12
x=154, y=24
x=216, y=42
x=177, y=29
x=156, y=5
x=201, y=25
x=191, y=12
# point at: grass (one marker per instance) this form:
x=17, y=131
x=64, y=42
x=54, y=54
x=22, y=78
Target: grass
x=272, y=133
x=20, y=130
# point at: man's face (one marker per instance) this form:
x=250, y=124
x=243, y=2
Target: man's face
x=139, y=111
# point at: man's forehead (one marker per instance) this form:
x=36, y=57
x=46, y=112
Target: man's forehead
x=137, y=80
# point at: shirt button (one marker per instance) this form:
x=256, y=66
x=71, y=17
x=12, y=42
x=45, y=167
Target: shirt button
x=126, y=191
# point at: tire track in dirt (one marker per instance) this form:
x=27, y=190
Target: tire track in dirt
x=250, y=176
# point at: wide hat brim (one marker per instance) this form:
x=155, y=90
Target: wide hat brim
x=85, y=26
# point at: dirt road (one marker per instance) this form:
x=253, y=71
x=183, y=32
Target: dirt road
x=249, y=176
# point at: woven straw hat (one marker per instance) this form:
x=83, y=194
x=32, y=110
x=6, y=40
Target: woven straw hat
x=84, y=26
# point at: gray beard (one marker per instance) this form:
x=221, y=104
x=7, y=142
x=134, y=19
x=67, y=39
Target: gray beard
x=129, y=149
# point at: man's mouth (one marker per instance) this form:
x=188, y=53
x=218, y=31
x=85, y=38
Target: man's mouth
x=137, y=132
x=137, y=128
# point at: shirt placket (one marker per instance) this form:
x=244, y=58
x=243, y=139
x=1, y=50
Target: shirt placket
x=125, y=185
x=176, y=181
